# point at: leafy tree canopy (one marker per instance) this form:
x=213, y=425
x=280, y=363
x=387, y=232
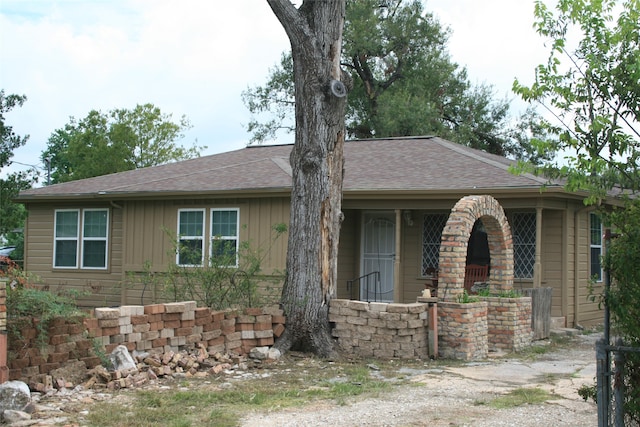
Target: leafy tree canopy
x=593, y=90
x=117, y=141
x=404, y=83
x=9, y=141
x=11, y=215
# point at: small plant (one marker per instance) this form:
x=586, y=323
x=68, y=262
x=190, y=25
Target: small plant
x=465, y=298
x=511, y=293
x=588, y=392
x=98, y=350
x=485, y=292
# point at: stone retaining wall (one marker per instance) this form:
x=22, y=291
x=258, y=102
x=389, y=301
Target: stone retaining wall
x=509, y=323
x=155, y=329
x=381, y=330
x=463, y=330
x=4, y=370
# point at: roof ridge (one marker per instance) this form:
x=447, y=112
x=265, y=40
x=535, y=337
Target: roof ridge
x=470, y=152
x=283, y=163
x=122, y=187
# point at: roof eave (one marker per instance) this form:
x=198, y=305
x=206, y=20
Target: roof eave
x=150, y=195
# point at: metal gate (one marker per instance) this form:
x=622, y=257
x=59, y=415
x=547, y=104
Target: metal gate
x=614, y=370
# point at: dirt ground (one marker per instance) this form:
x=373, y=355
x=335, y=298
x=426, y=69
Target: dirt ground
x=430, y=393
x=460, y=395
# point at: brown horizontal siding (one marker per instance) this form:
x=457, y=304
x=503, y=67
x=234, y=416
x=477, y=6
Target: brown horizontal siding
x=348, y=263
x=552, y=258
x=154, y=226
x=411, y=265
x=590, y=313
x=94, y=287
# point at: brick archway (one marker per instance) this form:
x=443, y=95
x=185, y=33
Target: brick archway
x=455, y=239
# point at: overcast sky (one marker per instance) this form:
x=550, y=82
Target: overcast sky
x=195, y=57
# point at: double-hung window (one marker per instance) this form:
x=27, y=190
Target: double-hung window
x=595, y=263
x=190, y=237
x=224, y=236
x=81, y=238
x=220, y=234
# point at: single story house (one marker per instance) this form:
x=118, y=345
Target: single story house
x=91, y=234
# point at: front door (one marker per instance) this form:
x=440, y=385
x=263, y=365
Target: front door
x=378, y=253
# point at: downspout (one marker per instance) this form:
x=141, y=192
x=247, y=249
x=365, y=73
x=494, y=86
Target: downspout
x=397, y=276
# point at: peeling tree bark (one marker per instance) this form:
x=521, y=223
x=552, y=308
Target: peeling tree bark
x=315, y=32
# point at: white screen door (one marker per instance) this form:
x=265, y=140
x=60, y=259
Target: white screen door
x=378, y=252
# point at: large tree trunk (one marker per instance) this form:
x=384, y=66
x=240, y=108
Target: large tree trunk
x=315, y=33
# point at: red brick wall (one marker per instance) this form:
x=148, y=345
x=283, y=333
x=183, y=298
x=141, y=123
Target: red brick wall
x=153, y=328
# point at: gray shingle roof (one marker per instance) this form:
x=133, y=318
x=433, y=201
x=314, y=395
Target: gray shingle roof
x=413, y=163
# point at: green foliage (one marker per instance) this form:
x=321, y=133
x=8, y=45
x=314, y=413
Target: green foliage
x=465, y=298
x=511, y=293
x=403, y=83
x=623, y=300
x=227, y=280
x=593, y=91
x=99, y=351
x=521, y=396
x=485, y=292
x=26, y=302
x=283, y=388
x=588, y=392
x=9, y=141
x=117, y=141
x=12, y=215
x=621, y=259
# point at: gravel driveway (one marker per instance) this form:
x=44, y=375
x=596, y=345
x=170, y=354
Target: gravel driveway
x=459, y=395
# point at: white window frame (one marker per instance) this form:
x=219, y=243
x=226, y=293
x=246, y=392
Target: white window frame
x=234, y=238
x=597, y=246
x=80, y=239
x=189, y=237
x=56, y=239
x=104, y=239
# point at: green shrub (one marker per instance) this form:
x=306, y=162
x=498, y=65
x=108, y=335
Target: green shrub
x=228, y=280
x=621, y=259
x=38, y=307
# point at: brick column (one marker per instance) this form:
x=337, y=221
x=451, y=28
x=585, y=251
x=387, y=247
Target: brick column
x=463, y=330
x=4, y=371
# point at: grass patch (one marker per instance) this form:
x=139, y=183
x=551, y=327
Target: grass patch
x=213, y=405
x=521, y=396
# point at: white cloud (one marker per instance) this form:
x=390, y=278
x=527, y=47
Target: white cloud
x=196, y=57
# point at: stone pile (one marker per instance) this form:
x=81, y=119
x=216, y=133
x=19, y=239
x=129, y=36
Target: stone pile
x=381, y=330
x=134, y=371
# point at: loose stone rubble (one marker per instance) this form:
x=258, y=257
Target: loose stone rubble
x=147, y=370
x=194, y=363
